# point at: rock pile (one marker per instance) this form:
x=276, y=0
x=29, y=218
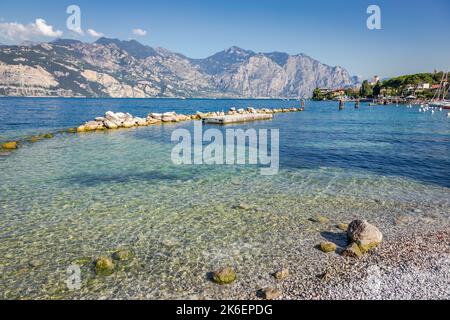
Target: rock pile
x=118, y=120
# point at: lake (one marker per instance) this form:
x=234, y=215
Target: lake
x=76, y=197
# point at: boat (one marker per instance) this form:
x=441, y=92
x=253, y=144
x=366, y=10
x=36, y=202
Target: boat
x=444, y=104
x=439, y=100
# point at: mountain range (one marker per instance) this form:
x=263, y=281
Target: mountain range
x=117, y=68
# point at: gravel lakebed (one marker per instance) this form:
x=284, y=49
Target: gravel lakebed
x=414, y=266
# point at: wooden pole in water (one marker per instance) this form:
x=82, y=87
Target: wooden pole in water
x=302, y=104
x=341, y=104
x=357, y=104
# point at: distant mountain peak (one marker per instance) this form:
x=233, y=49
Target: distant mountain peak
x=133, y=47
x=237, y=50
x=107, y=41
x=65, y=42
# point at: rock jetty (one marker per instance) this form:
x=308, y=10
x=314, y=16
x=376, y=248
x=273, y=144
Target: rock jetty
x=118, y=120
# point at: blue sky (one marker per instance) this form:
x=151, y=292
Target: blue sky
x=414, y=35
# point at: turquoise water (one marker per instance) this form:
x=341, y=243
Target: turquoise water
x=85, y=195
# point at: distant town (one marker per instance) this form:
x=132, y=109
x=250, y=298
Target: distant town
x=415, y=87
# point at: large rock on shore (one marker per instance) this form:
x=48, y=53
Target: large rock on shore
x=365, y=235
x=123, y=255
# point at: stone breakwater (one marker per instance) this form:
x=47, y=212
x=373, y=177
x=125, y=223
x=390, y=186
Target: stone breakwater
x=118, y=120
x=111, y=121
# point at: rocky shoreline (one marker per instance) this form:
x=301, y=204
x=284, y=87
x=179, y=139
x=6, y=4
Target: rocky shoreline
x=413, y=266
x=407, y=267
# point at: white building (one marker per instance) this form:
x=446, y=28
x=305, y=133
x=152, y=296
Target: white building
x=375, y=80
x=423, y=86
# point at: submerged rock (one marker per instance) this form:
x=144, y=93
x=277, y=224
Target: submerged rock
x=328, y=247
x=104, y=266
x=319, y=219
x=84, y=261
x=281, y=274
x=71, y=130
x=35, y=263
x=270, y=293
x=243, y=206
x=48, y=136
x=35, y=139
x=365, y=235
x=123, y=255
x=81, y=129
x=10, y=145
x=224, y=276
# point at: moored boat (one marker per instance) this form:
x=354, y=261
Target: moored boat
x=444, y=104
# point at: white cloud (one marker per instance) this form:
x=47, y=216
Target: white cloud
x=139, y=32
x=16, y=31
x=94, y=33
x=46, y=30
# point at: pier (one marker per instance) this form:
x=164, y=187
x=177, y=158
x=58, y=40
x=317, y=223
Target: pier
x=237, y=118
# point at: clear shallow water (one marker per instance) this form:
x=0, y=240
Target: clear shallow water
x=87, y=195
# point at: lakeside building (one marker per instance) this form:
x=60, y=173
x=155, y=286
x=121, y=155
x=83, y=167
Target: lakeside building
x=374, y=80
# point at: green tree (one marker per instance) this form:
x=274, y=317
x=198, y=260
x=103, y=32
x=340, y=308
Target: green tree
x=317, y=94
x=366, y=89
x=352, y=93
x=376, y=89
